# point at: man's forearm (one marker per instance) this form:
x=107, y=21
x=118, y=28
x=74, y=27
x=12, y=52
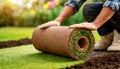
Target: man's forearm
x=65, y=13
x=105, y=14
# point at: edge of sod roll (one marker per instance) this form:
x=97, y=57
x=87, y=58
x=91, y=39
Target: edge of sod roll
x=75, y=36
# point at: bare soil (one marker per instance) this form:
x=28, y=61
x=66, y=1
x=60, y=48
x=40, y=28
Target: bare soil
x=103, y=60
x=13, y=43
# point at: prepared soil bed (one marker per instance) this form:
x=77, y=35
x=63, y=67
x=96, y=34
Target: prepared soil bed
x=103, y=60
x=13, y=43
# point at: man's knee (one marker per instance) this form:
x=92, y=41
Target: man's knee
x=90, y=11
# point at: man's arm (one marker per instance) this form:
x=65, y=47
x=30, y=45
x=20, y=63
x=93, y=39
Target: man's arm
x=72, y=7
x=65, y=13
x=109, y=8
x=104, y=16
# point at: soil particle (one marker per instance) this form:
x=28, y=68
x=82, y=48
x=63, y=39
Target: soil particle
x=105, y=60
x=13, y=43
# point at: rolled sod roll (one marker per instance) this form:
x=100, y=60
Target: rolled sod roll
x=61, y=40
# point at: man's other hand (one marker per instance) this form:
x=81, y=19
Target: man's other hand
x=87, y=25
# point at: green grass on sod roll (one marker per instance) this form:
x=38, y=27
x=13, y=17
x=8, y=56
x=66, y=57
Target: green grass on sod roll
x=15, y=33
x=77, y=34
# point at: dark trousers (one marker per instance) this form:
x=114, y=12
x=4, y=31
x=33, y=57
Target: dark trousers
x=91, y=11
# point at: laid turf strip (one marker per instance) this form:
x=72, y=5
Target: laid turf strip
x=27, y=57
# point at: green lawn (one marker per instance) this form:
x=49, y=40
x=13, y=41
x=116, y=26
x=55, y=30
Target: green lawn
x=96, y=35
x=15, y=33
x=26, y=57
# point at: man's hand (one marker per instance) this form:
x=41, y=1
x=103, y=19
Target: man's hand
x=48, y=24
x=87, y=25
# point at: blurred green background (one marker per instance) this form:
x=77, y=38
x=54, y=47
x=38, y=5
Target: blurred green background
x=29, y=13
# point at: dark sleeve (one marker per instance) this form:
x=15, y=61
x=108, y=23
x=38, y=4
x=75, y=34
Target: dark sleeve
x=75, y=4
x=113, y=4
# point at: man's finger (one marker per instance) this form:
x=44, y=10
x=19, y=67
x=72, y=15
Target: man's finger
x=74, y=26
x=48, y=25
